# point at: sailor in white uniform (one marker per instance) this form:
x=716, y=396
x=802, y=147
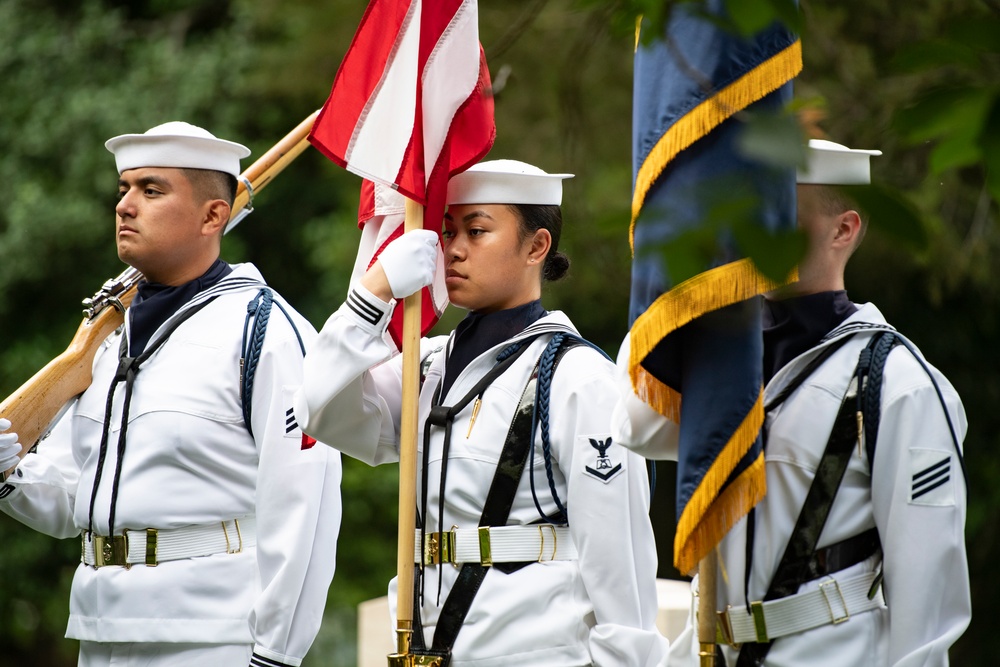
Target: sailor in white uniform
x=875, y=574
x=568, y=574
x=209, y=522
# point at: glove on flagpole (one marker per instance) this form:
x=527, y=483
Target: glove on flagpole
x=409, y=108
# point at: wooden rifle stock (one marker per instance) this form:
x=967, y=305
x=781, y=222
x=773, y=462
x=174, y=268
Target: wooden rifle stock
x=36, y=404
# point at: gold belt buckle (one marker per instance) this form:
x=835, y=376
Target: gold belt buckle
x=439, y=548
x=485, y=547
x=759, y=622
x=541, y=539
x=151, y=539
x=111, y=550
x=725, y=628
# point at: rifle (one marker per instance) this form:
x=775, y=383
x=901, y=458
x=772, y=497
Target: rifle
x=37, y=404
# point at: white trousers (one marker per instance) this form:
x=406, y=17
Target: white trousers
x=102, y=654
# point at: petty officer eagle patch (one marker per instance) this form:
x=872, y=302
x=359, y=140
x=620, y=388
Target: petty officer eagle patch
x=605, y=463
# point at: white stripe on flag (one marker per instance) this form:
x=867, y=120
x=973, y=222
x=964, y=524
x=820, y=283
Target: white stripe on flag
x=449, y=78
x=389, y=214
x=383, y=131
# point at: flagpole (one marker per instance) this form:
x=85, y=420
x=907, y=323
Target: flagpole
x=707, y=573
x=408, y=461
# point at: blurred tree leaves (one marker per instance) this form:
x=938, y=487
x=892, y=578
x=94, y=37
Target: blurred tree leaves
x=891, y=213
x=917, y=80
x=958, y=105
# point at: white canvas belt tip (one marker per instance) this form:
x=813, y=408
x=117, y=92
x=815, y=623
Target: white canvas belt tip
x=151, y=546
x=501, y=544
x=832, y=603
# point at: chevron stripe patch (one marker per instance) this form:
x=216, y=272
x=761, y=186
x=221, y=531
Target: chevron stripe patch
x=931, y=478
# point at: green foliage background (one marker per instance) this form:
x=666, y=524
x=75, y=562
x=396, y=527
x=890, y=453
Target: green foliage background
x=918, y=79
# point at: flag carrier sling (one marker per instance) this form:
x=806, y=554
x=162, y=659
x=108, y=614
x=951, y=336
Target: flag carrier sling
x=438, y=549
x=783, y=610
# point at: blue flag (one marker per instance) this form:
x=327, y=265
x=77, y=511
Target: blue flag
x=701, y=339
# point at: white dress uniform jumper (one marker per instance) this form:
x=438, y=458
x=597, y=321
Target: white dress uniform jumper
x=208, y=525
x=908, y=600
x=856, y=555
x=544, y=593
x=195, y=528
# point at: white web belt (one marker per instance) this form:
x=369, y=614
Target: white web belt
x=151, y=546
x=501, y=544
x=832, y=603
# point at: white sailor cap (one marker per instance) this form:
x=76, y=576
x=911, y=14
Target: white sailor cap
x=506, y=182
x=828, y=163
x=177, y=144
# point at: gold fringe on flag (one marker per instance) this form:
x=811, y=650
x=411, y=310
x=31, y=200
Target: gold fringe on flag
x=706, y=519
x=708, y=291
x=697, y=123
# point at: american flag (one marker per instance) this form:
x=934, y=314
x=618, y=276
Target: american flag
x=411, y=106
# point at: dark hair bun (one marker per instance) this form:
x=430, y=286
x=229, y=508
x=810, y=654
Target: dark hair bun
x=556, y=266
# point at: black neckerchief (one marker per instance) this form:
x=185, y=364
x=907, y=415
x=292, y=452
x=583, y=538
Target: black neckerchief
x=128, y=367
x=154, y=303
x=479, y=332
x=793, y=326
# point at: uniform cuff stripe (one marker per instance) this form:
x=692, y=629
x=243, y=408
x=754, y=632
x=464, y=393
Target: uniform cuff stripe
x=260, y=661
x=363, y=309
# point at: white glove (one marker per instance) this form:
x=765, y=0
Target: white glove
x=10, y=448
x=409, y=262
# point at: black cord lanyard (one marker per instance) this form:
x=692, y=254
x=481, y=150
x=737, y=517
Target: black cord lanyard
x=128, y=368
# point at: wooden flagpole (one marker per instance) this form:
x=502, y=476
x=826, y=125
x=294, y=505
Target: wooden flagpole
x=707, y=579
x=408, y=461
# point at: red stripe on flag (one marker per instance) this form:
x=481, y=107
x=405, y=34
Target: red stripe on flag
x=437, y=52
x=359, y=76
x=366, y=203
x=433, y=25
